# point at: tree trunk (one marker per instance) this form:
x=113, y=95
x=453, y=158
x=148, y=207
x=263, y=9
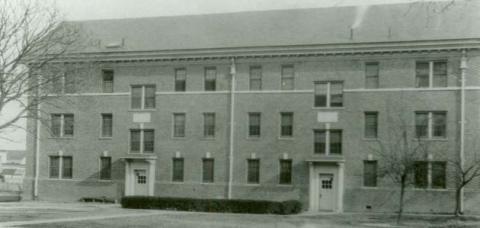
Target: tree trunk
x=402, y=194
x=458, y=200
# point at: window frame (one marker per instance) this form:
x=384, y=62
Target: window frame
x=106, y=72
x=282, y=125
x=328, y=94
x=431, y=77
x=104, y=170
x=280, y=181
x=205, y=181
x=430, y=174
x=376, y=77
x=62, y=126
x=252, y=79
x=430, y=125
x=285, y=77
x=366, y=126
x=256, y=176
x=250, y=116
x=141, y=141
x=178, y=82
x=61, y=168
x=207, y=128
x=366, y=181
x=174, y=176
x=174, y=125
x=207, y=81
x=328, y=142
x=102, y=125
x=143, y=97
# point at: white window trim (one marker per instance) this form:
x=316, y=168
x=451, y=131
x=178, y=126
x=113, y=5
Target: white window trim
x=430, y=126
x=293, y=124
x=328, y=93
x=100, y=168
x=327, y=139
x=184, y=126
x=102, y=124
x=60, y=167
x=259, y=168
x=142, y=143
x=142, y=97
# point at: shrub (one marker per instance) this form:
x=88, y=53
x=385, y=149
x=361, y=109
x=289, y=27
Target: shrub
x=212, y=205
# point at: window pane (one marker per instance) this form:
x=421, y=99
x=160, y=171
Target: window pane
x=105, y=168
x=254, y=124
x=321, y=94
x=209, y=125
x=335, y=141
x=371, y=75
x=148, y=141
x=371, y=121
x=136, y=97
x=422, y=74
x=440, y=74
x=439, y=124
x=286, y=124
x=108, y=81
x=285, y=172
x=135, y=141
x=421, y=174
x=319, y=141
x=336, y=94
x=179, y=125
x=68, y=125
x=421, y=124
x=150, y=96
x=438, y=175
x=107, y=122
x=288, y=75
x=370, y=173
x=56, y=124
x=180, y=79
x=210, y=78
x=208, y=175
x=54, y=166
x=255, y=78
x=67, y=168
x=177, y=169
x=253, y=171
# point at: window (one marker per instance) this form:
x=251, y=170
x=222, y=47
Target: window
x=177, y=170
x=370, y=173
x=254, y=119
x=430, y=174
x=255, y=78
x=61, y=167
x=69, y=82
x=328, y=142
x=210, y=78
x=439, y=174
x=421, y=174
x=107, y=125
x=105, y=168
x=286, y=124
x=208, y=170
x=179, y=125
x=371, y=125
x=371, y=75
x=107, y=86
x=328, y=94
x=180, y=79
x=253, y=171
x=143, y=97
x=142, y=140
x=285, y=171
x=431, y=124
x=288, y=77
x=431, y=74
x=62, y=125
x=209, y=124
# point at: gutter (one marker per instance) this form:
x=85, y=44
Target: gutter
x=232, y=129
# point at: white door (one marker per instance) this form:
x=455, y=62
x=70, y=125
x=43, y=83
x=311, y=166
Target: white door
x=326, y=192
x=141, y=182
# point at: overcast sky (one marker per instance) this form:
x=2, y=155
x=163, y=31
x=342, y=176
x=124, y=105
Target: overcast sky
x=105, y=9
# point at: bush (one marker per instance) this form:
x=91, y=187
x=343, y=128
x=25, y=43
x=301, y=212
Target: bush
x=212, y=205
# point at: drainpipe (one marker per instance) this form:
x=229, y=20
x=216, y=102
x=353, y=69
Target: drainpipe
x=463, y=68
x=36, y=143
x=232, y=128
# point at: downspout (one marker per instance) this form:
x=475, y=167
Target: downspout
x=232, y=129
x=37, y=141
x=463, y=68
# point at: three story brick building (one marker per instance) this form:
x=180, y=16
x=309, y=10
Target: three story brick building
x=274, y=105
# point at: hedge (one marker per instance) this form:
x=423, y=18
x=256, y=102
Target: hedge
x=212, y=205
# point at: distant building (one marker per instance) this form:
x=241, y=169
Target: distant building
x=270, y=105
x=12, y=169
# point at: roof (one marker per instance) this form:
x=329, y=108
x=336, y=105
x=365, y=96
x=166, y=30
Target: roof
x=338, y=25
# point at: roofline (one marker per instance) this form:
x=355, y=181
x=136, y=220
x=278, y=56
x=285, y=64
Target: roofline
x=277, y=51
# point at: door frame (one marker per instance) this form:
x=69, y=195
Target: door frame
x=336, y=168
x=131, y=164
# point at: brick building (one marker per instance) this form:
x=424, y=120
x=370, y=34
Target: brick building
x=153, y=111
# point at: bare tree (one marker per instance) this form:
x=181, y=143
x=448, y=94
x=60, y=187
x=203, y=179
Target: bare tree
x=33, y=38
x=399, y=152
x=465, y=174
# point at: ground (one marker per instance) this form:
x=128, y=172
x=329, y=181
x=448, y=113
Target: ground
x=44, y=214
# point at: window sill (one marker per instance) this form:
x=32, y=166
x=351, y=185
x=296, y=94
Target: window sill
x=328, y=108
x=142, y=110
x=179, y=138
x=369, y=187
x=60, y=179
x=286, y=138
x=208, y=139
x=254, y=138
x=177, y=182
x=252, y=184
x=105, y=138
x=208, y=183
x=371, y=139
x=66, y=138
x=285, y=185
x=431, y=189
x=431, y=139
x=105, y=180
x=133, y=153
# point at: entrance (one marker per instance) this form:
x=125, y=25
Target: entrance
x=140, y=185
x=326, y=197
